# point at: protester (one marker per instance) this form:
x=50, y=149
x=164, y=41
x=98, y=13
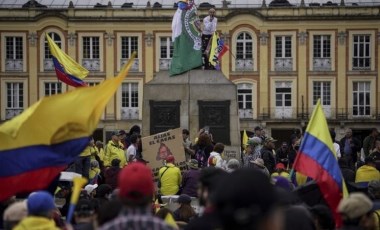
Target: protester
x=208, y=181
x=187, y=144
x=335, y=144
x=267, y=154
x=136, y=191
x=259, y=132
x=209, y=27
x=115, y=150
x=122, y=138
x=190, y=179
x=170, y=177
x=298, y=217
x=216, y=153
x=103, y=194
x=111, y=173
x=109, y=211
x=185, y=212
x=367, y=172
x=252, y=151
x=245, y=199
x=282, y=154
x=356, y=211
x=280, y=170
x=349, y=147
x=135, y=129
x=83, y=162
x=91, y=190
x=232, y=165
x=295, y=145
x=84, y=215
x=100, y=147
x=14, y=214
x=323, y=217
x=94, y=172
x=131, y=153
x=258, y=165
x=347, y=173
x=40, y=207
x=202, y=149
x=369, y=142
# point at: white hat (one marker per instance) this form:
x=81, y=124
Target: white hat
x=90, y=187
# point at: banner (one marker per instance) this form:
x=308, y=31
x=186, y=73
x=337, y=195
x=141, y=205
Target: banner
x=158, y=146
x=231, y=152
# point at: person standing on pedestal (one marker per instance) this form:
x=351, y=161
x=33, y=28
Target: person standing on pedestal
x=209, y=27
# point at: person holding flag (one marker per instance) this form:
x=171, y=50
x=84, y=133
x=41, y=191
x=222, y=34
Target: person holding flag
x=186, y=38
x=209, y=27
x=316, y=159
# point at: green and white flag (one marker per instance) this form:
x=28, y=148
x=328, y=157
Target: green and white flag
x=187, y=53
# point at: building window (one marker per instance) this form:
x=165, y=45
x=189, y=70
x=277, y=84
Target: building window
x=322, y=52
x=48, y=61
x=91, y=53
x=92, y=83
x=52, y=88
x=14, y=53
x=128, y=46
x=361, y=59
x=130, y=101
x=361, y=99
x=244, y=57
x=283, y=99
x=166, y=52
x=283, y=53
x=244, y=91
x=322, y=91
x=15, y=99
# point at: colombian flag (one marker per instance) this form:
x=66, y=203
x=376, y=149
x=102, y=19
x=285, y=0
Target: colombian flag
x=67, y=70
x=316, y=159
x=218, y=49
x=39, y=143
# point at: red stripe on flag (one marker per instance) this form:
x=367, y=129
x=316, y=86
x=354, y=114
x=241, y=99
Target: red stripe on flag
x=28, y=182
x=329, y=188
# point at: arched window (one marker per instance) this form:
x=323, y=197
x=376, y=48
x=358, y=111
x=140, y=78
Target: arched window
x=244, y=49
x=244, y=91
x=48, y=62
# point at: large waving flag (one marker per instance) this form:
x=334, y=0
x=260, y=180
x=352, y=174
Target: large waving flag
x=186, y=38
x=218, y=49
x=67, y=70
x=39, y=143
x=316, y=159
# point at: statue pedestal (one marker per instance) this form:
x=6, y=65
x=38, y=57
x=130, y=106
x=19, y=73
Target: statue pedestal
x=192, y=100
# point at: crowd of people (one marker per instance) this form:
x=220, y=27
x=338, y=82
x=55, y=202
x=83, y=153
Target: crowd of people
x=256, y=191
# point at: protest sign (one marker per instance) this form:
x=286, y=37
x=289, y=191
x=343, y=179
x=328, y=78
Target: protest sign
x=231, y=152
x=158, y=146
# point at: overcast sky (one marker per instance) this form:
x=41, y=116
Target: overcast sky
x=234, y=3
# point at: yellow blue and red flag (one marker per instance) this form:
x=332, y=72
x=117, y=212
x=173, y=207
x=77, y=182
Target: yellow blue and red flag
x=67, y=70
x=217, y=50
x=316, y=159
x=39, y=143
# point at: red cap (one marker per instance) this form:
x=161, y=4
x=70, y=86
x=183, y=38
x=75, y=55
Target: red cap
x=280, y=166
x=170, y=159
x=135, y=181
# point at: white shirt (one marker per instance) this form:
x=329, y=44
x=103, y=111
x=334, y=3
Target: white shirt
x=131, y=153
x=209, y=26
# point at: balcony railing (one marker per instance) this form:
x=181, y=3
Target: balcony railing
x=244, y=64
x=135, y=65
x=245, y=113
x=10, y=113
x=165, y=63
x=322, y=64
x=283, y=64
x=367, y=113
x=129, y=113
x=14, y=64
x=48, y=64
x=92, y=64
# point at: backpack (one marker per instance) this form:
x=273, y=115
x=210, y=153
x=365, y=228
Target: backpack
x=201, y=157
